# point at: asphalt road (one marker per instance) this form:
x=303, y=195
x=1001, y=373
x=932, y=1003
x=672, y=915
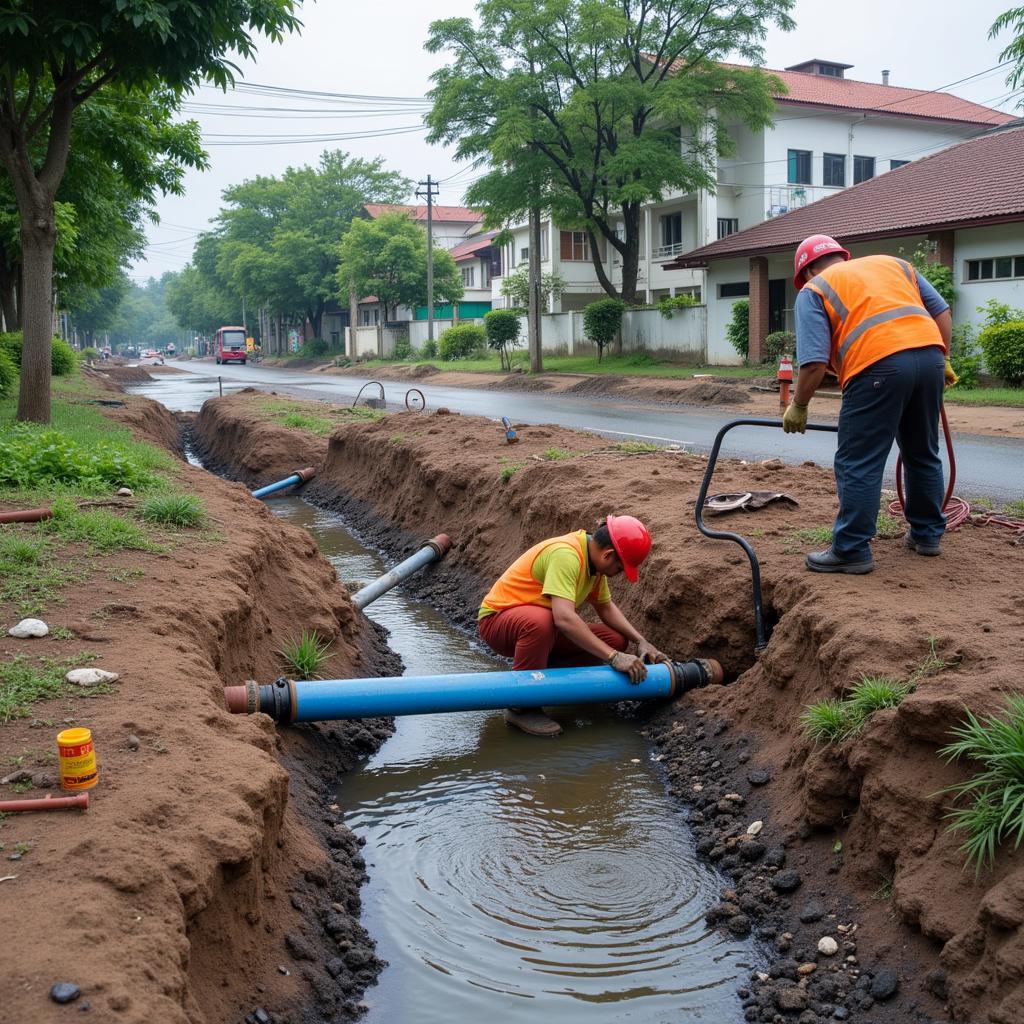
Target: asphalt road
x=985, y=465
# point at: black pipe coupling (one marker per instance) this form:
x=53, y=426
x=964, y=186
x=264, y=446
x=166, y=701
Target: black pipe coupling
x=691, y=675
x=276, y=699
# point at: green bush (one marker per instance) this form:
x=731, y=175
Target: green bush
x=8, y=374
x=89, y=354
x=737, y=330
x=1003, y=345
x=669, y=304
x=461, y=341
x=403, y=349
x=502, y=327
x=999, y=313
x=314, y=348
x=602, y=320
x=63, y=359
x=429, y=349
x=964, y=355
x=777, y=345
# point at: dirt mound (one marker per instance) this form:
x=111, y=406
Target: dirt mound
x=858, y=817
x=714, y=393
x=521, y=382
x=119, y=374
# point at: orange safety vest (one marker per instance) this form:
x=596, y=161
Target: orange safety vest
x=516, y=586
x=875, y=309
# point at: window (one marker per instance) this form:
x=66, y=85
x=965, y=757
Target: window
x=524, y=254
x=997, y=268
x=893, y=164
x=485, y=275
x=834, y=171
x=799, y=167
x=467, y=276
x=728, y=226
x=735, y=290
x=575, y=246
x=830, y=70
x=369, y=317
x=863, y=168
x=672, y=229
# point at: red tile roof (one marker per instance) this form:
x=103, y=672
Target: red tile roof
x=441, y=213
x=980, y=181
x=468, y=249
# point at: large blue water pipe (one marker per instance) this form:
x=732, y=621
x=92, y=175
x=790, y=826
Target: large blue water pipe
x=434, y=549
x=300, y=477
x=324, y=700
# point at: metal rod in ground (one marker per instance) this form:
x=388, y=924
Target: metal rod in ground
x=323, y=700
x=432, y=551
x=299, y=477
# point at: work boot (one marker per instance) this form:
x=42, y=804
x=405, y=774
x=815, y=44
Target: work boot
x=827, y=561
x=922, y=549
x=532, y=721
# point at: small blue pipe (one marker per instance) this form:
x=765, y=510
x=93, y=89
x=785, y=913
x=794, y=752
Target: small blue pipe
x=296, y=478
x=324, y=700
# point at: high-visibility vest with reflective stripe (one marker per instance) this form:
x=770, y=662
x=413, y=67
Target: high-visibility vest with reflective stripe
x=875, y=309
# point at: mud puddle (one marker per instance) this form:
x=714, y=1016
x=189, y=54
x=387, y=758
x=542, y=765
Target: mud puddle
x=512, y=875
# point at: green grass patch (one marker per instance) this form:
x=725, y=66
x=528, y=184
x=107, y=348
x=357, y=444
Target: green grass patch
x=993, y=814
x=397, y=438
x=887, y=527
x=306, y=655
x=30, y=573
x=314, y=424
x=984, y=396
x=635, y=447
x=24, y=680
x=98, y=528
x=174, y=510
x=509, y=471
x=556, y=454
x=1015, y=508
x=828, y=721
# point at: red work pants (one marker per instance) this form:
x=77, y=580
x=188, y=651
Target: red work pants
x=527, y=635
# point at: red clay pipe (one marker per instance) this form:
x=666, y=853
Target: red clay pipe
x=27, y=515
x=60, y=803
x=307, y=474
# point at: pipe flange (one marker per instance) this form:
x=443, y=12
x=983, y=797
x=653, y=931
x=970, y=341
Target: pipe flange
x=252, y=696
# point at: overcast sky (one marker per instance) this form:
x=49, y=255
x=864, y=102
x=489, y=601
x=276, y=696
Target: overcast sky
x=376, y=49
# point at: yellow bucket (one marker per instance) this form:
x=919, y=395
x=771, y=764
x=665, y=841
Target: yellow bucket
x=77, y=759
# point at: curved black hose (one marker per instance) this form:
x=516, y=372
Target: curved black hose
x=761, y=639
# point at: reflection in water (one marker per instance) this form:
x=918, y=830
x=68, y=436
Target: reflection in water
x=512, y=875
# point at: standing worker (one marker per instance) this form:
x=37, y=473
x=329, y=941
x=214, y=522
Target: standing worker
x=885, y=332
x=532, y=613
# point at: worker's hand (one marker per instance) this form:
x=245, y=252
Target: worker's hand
x=632, y=667
x=950, y=375
x=649, y=653
x=795, y=419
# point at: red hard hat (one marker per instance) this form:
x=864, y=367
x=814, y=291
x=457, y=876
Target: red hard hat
x=631, y=541
x=811, y=249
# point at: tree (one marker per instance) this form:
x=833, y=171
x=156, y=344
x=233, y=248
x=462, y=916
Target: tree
x=1013, y=20
x=516, y=286
x=602, y=321
x=387, y=257
x=586, y=102
x=57, y=55
x=502, y=326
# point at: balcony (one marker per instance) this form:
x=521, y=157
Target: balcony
x=667, y=252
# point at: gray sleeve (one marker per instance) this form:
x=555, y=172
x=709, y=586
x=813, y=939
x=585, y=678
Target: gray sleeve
x=933, y=301
x=813, y=328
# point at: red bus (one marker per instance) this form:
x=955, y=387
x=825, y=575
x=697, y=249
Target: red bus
x=229, y=345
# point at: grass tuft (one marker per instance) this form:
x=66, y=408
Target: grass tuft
x=24, y=681
x=174, y=510
x=635, y=447
x=1014, y=508
x=556, y=454
x=509, y=471
x=306, y=655
x=99, y=528
x=302, y=421
x=828, y=721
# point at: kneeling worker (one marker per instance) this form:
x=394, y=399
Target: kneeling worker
x=531, y=615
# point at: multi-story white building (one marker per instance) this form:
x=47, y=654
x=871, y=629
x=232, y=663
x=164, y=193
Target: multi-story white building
x=829, y=133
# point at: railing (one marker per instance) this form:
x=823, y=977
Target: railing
x=665, y=252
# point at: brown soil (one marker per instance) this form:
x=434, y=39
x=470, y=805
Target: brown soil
x=205, y=879
x=899, y=875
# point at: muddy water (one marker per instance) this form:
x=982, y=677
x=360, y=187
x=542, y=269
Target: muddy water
x=511, y=876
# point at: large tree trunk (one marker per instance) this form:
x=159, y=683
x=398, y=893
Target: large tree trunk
x=631, y=257
x=8, y=295
x=38, y=238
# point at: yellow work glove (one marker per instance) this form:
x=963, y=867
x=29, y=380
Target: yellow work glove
x=950, y=374
x=795, y=419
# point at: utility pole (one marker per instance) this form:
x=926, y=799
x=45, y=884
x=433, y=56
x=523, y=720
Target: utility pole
x=427, y=191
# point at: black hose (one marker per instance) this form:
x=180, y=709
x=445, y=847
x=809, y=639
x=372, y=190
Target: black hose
x=760, y=636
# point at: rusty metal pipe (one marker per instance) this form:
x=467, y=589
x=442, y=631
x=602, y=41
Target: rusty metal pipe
x=48, y=803
x=435, y=549
x=299, y=477
x=26, y=515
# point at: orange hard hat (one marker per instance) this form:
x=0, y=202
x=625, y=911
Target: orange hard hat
x=632, y=543
x=811, y=249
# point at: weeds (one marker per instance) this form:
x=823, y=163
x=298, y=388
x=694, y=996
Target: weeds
x=509, y=471
x=984, y=501
x=302, y=421
x=635, y=447
x=995, y=811
x=397, y=438
x=1014, y=508
x=23, y=682
x=556, y=454
x=174, y=510
x=306, y=655
x=99, y=528
x=887, y=527
x=127, y=576
x=828, y=721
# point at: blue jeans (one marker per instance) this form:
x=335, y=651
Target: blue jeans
x=898, y=398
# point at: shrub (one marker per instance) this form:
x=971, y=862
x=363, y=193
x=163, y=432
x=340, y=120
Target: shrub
x=999, y=313
x=602, y=320
x=8, y=374
x=502, y=327
x=10, y=345
x=429, y=349
x=669, y=304
x=1003, y=345
x=90, y=355
x=777, y=345
x=737, y=330
x=461, y=341
x=314, y=348
x=964, y=355
x=403, y=348
x=63, y=359
x=938, y=275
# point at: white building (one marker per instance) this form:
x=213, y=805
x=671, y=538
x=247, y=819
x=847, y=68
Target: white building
x=830, y=133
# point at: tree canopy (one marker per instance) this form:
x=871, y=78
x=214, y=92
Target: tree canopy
x=595, y=107
x=1013, y=20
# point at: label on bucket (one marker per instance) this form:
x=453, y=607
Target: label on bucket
x=77, y=759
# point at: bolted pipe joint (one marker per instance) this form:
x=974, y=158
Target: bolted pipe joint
x=693, y=675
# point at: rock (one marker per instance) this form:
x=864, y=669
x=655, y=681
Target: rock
x=775, y=857
x=134, y=742
x=259, y=1014
x=936, y=983
x=29, y=627
x=125, y=492
x=758, y=777
x=791, y=1000
x=739, y=925
x=21, y=775
x=754, y=828
x=65, y=992
x=90, y=677
x=828, y=946
x=43, y=780
x=841, y=1013
x=751, y=851
x=721, y=912
x=787, y=881
x=808, y=968
x=884, y=984
x=814, y=910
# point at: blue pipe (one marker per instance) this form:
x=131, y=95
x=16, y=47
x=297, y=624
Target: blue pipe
x=323, y=700
x=296, y=478
x=430, y=552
